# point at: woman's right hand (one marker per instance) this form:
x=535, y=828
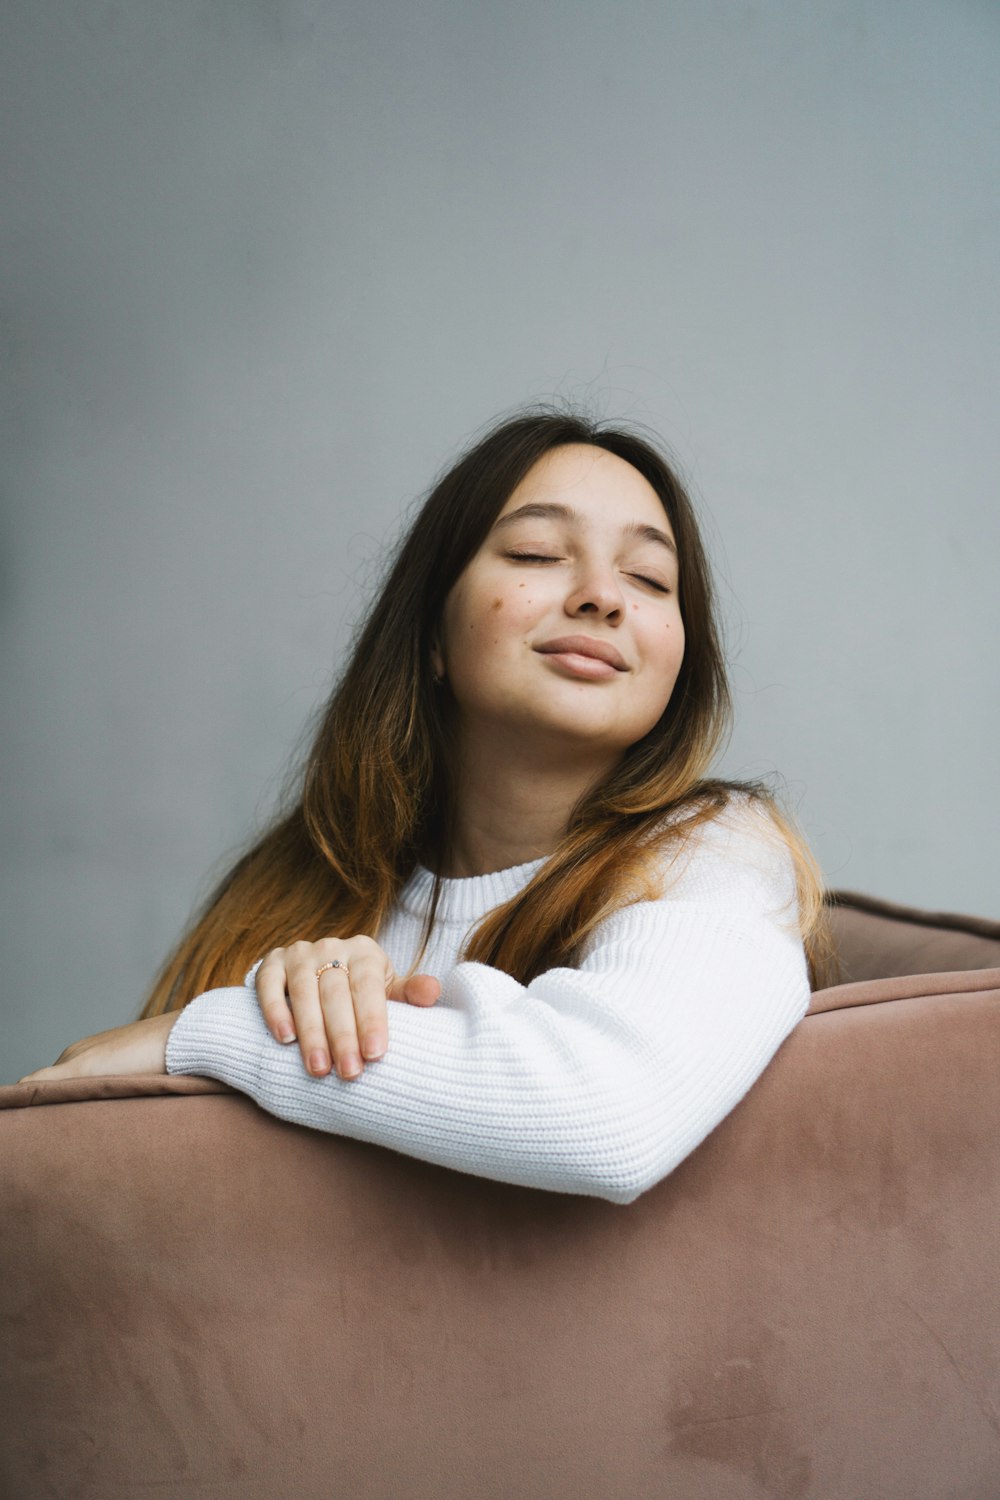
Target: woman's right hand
x=342, y=1012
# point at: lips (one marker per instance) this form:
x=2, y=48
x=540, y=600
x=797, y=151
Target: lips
x=585, y=645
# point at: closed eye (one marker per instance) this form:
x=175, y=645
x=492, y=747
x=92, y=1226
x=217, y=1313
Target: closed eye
x=661, y=588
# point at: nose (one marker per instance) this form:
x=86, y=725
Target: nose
x=596, y=591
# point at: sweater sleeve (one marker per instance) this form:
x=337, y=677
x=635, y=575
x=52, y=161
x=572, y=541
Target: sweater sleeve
x=595, y=1080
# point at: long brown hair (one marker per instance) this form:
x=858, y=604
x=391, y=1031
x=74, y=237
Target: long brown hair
x=374, y=797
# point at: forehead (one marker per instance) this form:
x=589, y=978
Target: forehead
x=598, y=485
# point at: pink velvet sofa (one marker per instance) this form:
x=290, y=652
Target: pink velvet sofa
x=198, y=1299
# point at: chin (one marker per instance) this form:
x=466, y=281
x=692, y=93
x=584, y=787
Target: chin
x=606, y=736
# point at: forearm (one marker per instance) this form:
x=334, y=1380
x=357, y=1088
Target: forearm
x=551, y=1087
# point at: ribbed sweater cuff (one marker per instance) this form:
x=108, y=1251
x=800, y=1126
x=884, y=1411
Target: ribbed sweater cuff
x=230, y=1046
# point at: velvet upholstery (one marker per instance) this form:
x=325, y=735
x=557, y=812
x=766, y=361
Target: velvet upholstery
x=878, y=939
x=198, y=1299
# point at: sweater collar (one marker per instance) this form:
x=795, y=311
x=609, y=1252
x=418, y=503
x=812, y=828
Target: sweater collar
x=466, y=897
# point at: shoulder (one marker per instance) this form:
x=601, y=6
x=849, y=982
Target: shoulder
x=737, y=859
x=726, y=901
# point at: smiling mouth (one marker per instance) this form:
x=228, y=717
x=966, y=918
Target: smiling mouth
x=581, y=648
x=590, y=668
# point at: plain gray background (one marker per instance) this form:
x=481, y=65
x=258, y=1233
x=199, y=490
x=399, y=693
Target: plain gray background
x=268, y=266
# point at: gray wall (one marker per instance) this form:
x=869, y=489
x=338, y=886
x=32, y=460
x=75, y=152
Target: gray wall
x=267, y=266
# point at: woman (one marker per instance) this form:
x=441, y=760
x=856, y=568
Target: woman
x=509, y=792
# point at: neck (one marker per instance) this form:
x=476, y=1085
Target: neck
x=511, y=805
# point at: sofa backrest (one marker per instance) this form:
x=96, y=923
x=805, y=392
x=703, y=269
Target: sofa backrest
x=198, y=1299
x=877, y=939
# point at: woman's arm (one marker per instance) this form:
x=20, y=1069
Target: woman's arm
x=136, y=1048
x=596, y=1080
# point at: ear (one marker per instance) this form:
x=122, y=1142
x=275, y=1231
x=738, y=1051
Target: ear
x=437, y=661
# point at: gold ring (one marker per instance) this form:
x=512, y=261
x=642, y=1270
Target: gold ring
x=335, y=964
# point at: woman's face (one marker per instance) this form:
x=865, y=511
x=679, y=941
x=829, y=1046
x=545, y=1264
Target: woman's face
x=566, y=625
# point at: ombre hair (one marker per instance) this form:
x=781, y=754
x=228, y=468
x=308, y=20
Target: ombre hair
x=375, y=795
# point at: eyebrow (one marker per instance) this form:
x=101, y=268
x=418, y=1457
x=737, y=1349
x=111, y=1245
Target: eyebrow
x=551, y=510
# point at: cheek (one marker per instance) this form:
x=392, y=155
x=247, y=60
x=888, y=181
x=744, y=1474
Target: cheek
x=500, y=609
x=664, y=654
x=675, y=644
x=477, y=620
x=663, y=646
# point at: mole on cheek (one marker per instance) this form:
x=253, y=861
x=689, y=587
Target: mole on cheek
x=498, y=604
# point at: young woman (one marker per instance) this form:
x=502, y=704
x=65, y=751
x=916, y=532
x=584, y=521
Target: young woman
x=511, y=922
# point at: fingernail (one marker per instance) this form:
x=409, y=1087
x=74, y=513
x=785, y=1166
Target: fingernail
x=373, y=1046
x=351, y=1065
x=286, y=1034
x=318, y=1062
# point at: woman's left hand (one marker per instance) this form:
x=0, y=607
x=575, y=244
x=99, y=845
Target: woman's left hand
x=140, y=1047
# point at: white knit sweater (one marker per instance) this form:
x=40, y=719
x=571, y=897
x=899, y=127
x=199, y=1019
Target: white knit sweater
x=596, y=1079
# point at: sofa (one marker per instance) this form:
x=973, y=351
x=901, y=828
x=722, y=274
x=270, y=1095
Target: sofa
x=198, y=1299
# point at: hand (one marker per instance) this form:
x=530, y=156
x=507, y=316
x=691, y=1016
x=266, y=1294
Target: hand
x=340, y=1006
x=140, y=1047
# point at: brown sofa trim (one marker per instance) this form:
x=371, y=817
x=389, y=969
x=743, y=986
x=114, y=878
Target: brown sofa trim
x=904, y=987
x=125, y=1086
x=952, y=921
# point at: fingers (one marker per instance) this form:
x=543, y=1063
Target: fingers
x=334, y=1025
x=419, y=989
x=367, y=988
x=339, y=1016
x=318, y=1002
x=271, y=996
